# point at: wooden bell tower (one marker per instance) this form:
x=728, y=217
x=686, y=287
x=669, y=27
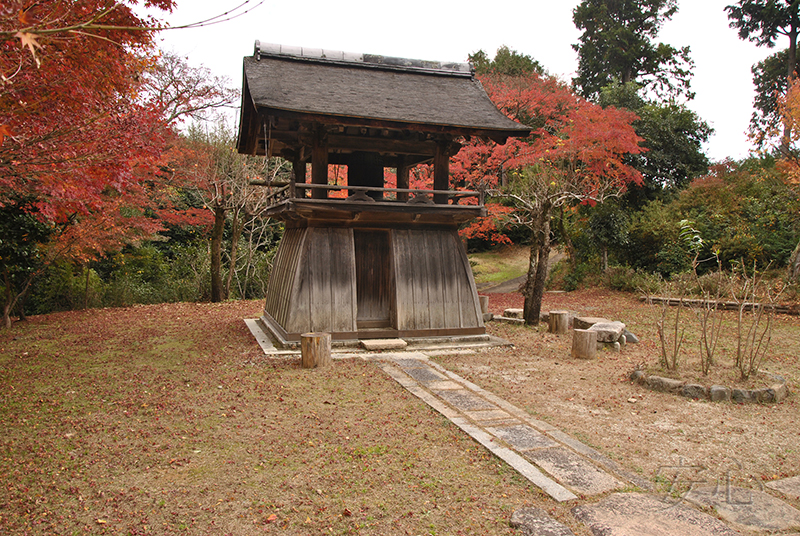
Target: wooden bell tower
x=362, y=260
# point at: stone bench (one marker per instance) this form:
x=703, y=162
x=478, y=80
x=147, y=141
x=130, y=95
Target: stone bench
x=610, y=334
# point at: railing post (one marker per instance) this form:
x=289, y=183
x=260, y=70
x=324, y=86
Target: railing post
x=319, y=163
x=441, y=173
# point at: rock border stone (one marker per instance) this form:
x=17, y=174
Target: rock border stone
x=775, y=393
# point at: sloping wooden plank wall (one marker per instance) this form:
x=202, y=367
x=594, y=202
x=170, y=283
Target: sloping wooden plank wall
x=284, y=272
x=313, y=285
x=435, y=288
x=324, y=296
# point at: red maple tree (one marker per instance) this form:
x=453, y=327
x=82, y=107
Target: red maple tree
x=74, y=135
x=575, y=154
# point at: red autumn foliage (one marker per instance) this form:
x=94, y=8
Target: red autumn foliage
x=575, y=154
x=566, y=129
x=76, y=142
x=580, y=145
x=75, y=136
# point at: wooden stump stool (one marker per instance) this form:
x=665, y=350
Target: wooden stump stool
x=484, y=300
x=584, y=343
x=315, y=350
x=558, y=322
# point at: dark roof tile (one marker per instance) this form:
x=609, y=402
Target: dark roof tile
x=408, y=91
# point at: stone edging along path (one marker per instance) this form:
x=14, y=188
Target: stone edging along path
x=716, y=393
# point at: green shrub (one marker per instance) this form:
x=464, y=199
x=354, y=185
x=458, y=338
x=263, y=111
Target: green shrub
x=627, y=279
x=64, y=287
x=577, y=276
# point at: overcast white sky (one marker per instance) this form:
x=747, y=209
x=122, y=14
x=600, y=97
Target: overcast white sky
x=446, y=30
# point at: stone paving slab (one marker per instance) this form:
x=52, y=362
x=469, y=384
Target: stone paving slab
x=494, y=422
x=788, y=486
x=261, y=338
x=464, y=400
x=491, y=424
x=425, y=375
x=494, y=399
x=409, y=362
x=522, y=437
x=638, y=514
x=530, y=447
x=573, y=470
x=521, y=465
x=536, y=522
x=383, y=344
x=443, y=385
x=493, y=415
x=749, y=508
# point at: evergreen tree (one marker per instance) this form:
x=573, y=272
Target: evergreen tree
x=763, y=22
x=618, y=44
x=506, y=62
x=673, y=135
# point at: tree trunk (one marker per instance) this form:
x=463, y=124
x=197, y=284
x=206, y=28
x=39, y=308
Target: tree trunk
x=86, y=287
x=235, y=235
x=11, y=299
x=21, y=306
x=584, y=344
x=794, y=264
x=604, y=260
x=792, y=59
x=786, y=139
x=9, y=303
x=537, y=266
x=558, y=322
x=627, y=75
x=216, y=254
x=562, y=229
x=315, y=350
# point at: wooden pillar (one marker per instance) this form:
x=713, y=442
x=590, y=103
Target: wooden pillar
x=299, y=173
x=558, y=322
x=402, y=178
x=319, y=164
x=441, y=172
x=584, y=343
x=315, y=350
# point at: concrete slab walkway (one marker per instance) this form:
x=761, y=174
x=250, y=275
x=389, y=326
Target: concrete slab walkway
x=568, y=470
x=561, y=466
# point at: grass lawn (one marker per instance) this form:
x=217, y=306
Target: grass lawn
x=499, y=264
x=167, y=418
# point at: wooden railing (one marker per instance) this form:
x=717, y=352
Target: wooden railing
x=282, y=190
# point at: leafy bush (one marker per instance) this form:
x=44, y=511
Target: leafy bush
x=744, y=212
x=582, y=274
x=65, y=287
x=627, y=279
x=713, y=284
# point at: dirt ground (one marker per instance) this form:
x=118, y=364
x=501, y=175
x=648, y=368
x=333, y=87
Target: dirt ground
x=168, y=418
x=672, y=441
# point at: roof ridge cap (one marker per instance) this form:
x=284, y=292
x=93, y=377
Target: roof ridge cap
x=361, y=60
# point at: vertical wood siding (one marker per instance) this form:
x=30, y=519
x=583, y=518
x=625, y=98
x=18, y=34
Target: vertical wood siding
x=283, y=275
x=313, y=284
x=374, y=287
x=435, y=288
x=323, y=298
